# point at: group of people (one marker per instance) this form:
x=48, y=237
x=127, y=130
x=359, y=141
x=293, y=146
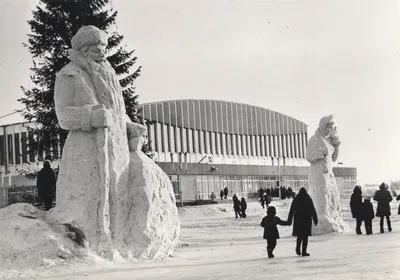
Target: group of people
x=239, y=206
x=281, y=192
x=364, y=211
x=302, y=213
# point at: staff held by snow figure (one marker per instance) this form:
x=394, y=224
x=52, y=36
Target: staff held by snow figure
x=322, y=151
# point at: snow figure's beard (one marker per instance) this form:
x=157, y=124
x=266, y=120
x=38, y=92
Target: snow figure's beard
x=104, y=78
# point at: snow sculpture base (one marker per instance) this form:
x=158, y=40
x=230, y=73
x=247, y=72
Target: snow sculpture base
x=153, y=227
x=326, y=197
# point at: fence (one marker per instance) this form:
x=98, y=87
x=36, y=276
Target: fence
x=17, y=194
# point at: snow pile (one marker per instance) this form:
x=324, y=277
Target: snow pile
x=28, y=241
x=204, y=210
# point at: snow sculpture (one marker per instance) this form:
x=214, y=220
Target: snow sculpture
x=106, y=186
x=322, y=151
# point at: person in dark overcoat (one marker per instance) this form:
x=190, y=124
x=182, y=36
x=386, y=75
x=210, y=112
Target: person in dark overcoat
x=383, y=197
x=271, y=233
x=46, y=185
x=355, y=207
x=236, y=206
x=225, y=192
x=367, y=213
x=221, y=194
x=303, y=212
x=243, y=207
x=398, y=198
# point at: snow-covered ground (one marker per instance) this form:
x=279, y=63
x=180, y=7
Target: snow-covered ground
x=215, y=245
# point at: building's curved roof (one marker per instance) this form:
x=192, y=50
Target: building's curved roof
x=221, y=116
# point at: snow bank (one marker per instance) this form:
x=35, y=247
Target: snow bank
x=27, y=241
x=204, y=210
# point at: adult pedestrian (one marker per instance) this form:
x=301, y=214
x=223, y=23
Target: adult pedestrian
x=236, y=206
x=46, y=185
x=356, y=207
x=243, y=207
x=383, y=197
x=303, y=212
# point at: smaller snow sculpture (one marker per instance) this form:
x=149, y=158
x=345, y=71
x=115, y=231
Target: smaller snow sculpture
x=322, y=151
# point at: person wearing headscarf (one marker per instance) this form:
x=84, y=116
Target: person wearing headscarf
x=303, y=212
x=46, y=185
x=322, y=151
x=356, y=206
x=383, y=197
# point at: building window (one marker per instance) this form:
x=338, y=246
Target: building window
x=2, y=151
x=10, y=149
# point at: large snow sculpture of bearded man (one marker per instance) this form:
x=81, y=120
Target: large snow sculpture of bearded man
x=322, y=151
x=106, y=186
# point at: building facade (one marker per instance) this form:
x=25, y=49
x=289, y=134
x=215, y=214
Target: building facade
x=203, y=145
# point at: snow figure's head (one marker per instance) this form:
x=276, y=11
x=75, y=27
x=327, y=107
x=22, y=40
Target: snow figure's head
x=90, y=42
x=326, y=125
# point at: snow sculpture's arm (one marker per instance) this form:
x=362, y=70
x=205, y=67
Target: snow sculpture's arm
x=71, y=117
x=335, y=153
x=135, y=133
x=315, y=151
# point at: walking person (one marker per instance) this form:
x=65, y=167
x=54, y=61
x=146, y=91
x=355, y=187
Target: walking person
x=398, y=198
x=46, y=185
x=271, y=233
x=355, y=206
x=225, y=192
x=383, y=197
x=243, y=207
x=367, y=213
x=221, y=194
x=236, y=206
x=303, y=212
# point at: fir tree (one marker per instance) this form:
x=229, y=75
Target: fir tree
x=52, y=27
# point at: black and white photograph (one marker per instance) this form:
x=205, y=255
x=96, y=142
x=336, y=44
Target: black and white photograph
x=199, y=139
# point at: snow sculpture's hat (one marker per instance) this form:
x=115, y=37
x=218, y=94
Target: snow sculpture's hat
x=87, y=36
x=367, y=197
x=325, y=121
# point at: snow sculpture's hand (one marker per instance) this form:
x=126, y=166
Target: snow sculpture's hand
x=324, y=151
x=101, y=117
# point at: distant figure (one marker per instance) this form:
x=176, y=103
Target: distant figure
x=303, y=211
x=46, y=185
x=289, y=193
x=367, y=212
x=213, y=197
x=243, y=207
x=236, y=206
x=226, y=193
x=271, y=233
x=260, y=192
x=355, y=206
x=221, y=194
x=398, y=198
x=262, y=200
x=267, y=199
x=384, y=198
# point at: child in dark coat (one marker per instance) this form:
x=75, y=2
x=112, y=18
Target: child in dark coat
x=367, y=213
x=271, y=233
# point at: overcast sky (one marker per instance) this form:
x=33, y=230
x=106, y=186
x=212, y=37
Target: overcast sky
x=303, y=58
